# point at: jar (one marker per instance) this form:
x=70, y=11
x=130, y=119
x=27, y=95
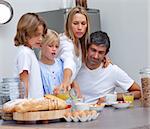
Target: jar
x=145, y=83
x=9, y=89
x=82, y=3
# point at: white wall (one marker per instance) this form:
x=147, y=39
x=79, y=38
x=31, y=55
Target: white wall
x=7, y=31
x=126, y=21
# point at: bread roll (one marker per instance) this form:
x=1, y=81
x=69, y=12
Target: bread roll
x=9, y=106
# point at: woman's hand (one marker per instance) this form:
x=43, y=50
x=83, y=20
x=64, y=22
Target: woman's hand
x=106, y=61
x=65, y=86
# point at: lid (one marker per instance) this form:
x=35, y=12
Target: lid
x=11, y=79
x=145, y=70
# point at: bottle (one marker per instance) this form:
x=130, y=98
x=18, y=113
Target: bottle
x=145, y=83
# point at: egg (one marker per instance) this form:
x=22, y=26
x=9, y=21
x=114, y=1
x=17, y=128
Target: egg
x=93, y=112
x=75, y=114
x=68, y=114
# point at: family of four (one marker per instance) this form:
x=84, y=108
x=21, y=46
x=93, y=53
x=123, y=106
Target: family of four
x=75, y=59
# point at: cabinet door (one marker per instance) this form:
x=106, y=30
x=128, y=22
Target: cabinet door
x=95, y=24
x=55, y=19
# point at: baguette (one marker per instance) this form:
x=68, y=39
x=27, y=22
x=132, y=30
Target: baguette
x=55, y=102
x=32, y=105
x=9, y=106
x=50, y=102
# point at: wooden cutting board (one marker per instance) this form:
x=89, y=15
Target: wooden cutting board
x=41, y=115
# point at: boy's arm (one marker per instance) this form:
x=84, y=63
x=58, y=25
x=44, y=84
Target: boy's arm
x=24, y=77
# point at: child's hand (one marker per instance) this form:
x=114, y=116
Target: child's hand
x=56, y=91
x=101, y=100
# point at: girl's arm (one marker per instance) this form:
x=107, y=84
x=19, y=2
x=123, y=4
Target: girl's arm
x=24, y=78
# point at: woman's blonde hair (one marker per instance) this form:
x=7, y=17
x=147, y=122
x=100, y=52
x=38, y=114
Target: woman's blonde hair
x=51, y=37
x=27, y=27
x=69, y=32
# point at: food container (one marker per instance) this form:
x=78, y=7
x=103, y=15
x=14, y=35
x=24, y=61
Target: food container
x=97, y=107
x=145, y=82
x=121, y=105
x=82, y=106
x=9, y=89
x=82, y=3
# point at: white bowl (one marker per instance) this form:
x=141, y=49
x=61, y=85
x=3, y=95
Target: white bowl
x=97, y=107
x=82, y=106
x=121, y=105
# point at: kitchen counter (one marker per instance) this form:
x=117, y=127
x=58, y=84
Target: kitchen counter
x=136, y=117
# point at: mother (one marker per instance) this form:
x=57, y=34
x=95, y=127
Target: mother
x=73, y=44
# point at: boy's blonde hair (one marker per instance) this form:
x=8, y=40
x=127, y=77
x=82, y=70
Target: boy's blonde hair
x=51, y=37
x=27, y=27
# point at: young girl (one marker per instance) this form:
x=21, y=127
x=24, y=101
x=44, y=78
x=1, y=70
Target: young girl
x=30, y=30
x=51, y=67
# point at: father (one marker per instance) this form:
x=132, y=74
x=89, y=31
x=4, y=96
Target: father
x=94, y=80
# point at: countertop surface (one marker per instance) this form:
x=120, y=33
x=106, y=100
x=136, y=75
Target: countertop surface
x=136, y=117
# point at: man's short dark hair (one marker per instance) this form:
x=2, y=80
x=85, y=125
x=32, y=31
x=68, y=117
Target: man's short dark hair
x=100, y=38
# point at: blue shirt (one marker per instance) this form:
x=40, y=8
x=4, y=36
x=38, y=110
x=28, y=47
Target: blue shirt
x=52, y=75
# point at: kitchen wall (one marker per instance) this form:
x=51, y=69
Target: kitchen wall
x=7, y=31
x=126, y=21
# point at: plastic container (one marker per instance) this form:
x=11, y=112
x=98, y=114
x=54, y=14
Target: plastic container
x=145, y=83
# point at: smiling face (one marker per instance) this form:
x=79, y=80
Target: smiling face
x=95, y=55
x=79, y=25
x=35, y=41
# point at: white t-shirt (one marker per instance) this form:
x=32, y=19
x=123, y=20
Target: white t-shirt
x=101, y=81
x=26, y=60
x=67, y=55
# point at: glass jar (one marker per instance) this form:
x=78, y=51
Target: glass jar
x=145, y=83
x=82, y=3
x=9, y=89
